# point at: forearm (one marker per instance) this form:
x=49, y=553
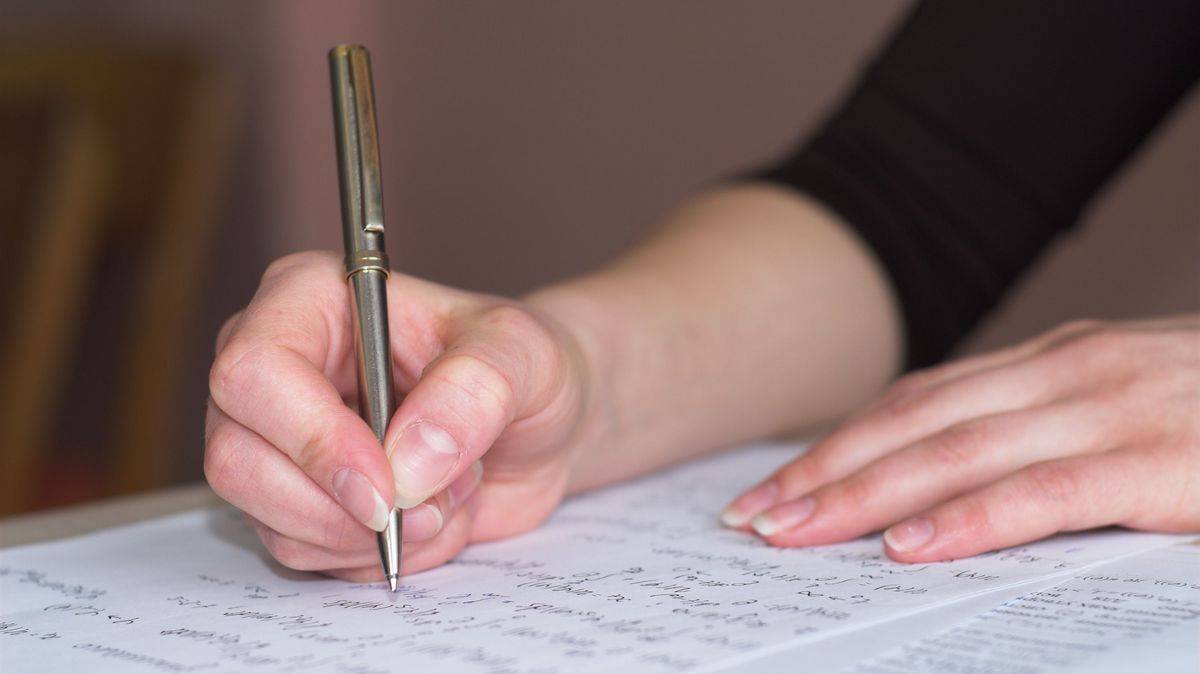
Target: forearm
x=750, y=313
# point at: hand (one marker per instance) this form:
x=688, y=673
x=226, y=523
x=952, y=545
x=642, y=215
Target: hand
x=480, y=375
x=1089, y=425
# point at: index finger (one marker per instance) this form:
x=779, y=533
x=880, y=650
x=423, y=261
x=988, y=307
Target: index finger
x=281, y=374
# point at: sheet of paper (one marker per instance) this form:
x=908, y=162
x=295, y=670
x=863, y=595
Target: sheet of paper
x=1141, y=613
x=636, y=577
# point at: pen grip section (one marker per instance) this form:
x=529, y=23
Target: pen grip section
x=376, y=395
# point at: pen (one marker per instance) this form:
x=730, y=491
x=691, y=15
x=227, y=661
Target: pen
x=366, y=261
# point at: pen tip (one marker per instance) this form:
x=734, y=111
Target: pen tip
x=393, y=583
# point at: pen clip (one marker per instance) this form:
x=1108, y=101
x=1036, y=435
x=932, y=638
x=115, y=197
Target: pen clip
x=358, y=145
x=371, y=187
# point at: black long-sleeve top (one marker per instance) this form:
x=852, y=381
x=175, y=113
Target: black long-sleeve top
x=981, y=131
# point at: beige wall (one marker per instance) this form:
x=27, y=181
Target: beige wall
x=526, y=141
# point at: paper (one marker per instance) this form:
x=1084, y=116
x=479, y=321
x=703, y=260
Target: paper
x=1137, y=614
x=638, y=577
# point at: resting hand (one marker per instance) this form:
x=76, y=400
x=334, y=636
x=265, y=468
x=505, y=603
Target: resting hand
x=480, y=374
x=1089, y=425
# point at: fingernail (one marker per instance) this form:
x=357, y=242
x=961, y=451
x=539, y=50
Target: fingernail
x=464, y=486
x=750, y=504
x=422, y=457
x=785, y=516
x=910, y=535
x=422, y=523
x=358, y=496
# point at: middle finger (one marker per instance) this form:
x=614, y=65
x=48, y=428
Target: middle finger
x=899, y=419
x=932, y=470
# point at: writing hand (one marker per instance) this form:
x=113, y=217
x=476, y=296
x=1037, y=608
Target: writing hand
x=1089, y=425
x=479, y=376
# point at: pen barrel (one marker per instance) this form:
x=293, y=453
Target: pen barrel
x=360, y=178
x=376, y=396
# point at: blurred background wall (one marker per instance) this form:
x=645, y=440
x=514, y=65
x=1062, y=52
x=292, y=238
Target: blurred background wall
x=523, y=142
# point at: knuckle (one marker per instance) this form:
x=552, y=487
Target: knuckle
x=477, y=384
x=524, y=328
x=230, y=373
x=511, y=318
x=912, y=382
x=290, y=264
x=1103, y=343
x=976, y=517
x=806, y=470
x=221, y=456
x=1065, y=333
x=855, y=492
x=1079, y=326
x=1053, y=482
x=959, y=445
x=903, y=403
x=1056, y=337
x=226, y=330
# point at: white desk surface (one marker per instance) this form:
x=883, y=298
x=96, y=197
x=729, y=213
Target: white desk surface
x=83, y=518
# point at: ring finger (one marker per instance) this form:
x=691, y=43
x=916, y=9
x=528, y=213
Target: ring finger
x=933, y=470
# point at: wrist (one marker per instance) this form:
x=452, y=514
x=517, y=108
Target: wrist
x=592, y=330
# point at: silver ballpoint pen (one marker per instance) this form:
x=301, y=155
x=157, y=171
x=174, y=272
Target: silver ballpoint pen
x=366, y=261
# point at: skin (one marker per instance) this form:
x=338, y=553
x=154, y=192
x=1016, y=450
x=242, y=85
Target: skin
x=750, y=313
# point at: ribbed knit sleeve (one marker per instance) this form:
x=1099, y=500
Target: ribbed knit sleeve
x=981, y=131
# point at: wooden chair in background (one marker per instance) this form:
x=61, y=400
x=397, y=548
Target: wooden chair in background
x=113, y=161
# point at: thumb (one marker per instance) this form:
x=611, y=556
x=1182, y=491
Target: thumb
x=503, y=366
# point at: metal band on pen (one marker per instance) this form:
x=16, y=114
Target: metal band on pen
x=366, y=260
